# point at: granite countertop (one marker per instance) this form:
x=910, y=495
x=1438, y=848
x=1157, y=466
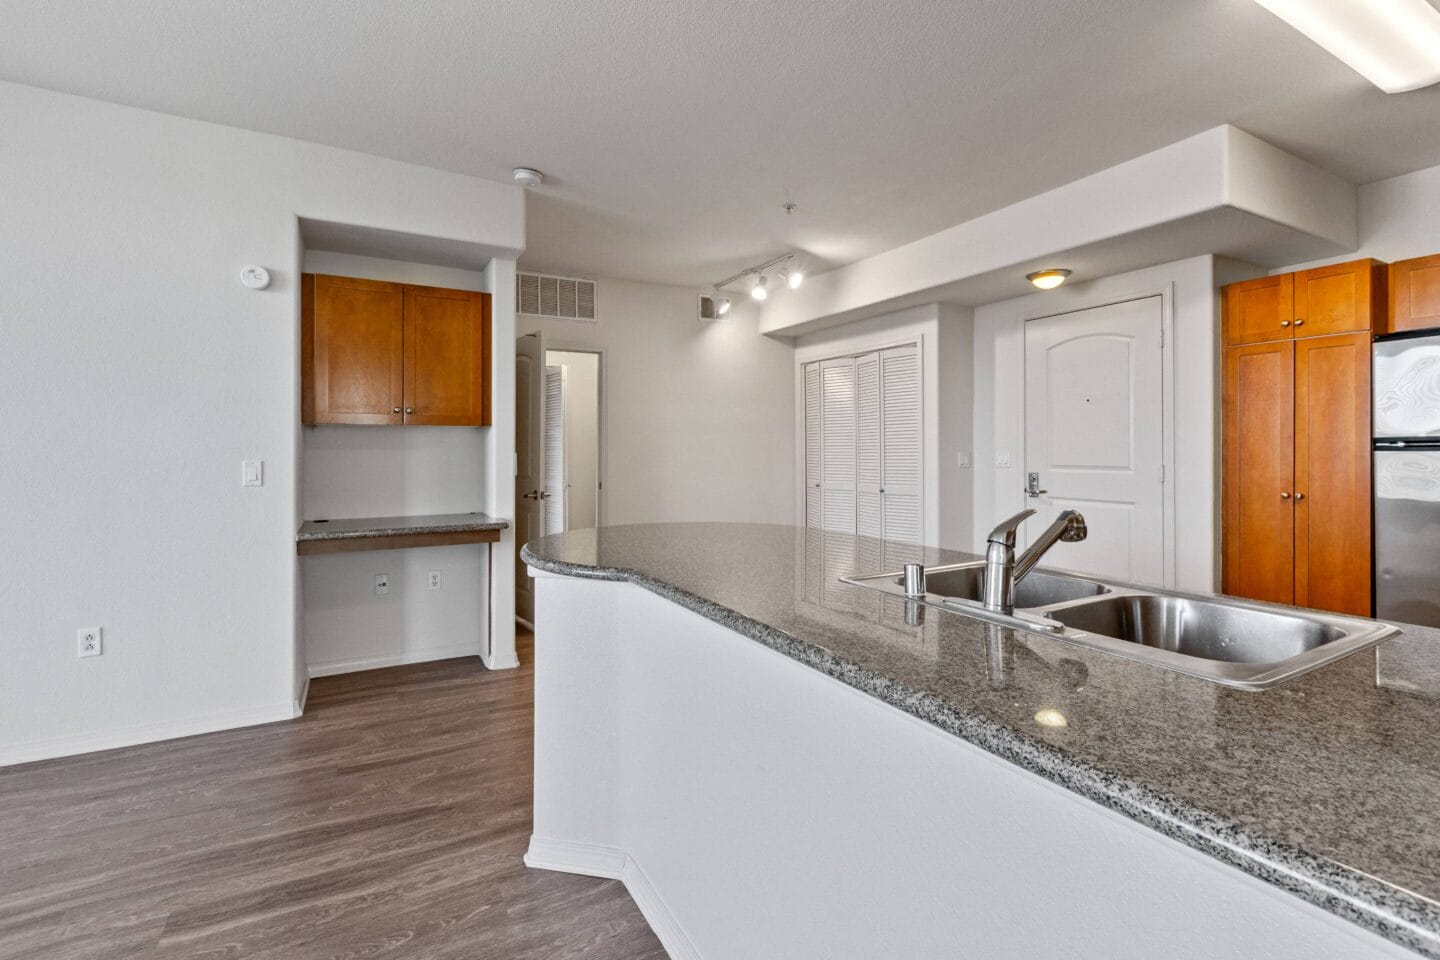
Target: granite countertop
x=353, y=527
x=1327, y=786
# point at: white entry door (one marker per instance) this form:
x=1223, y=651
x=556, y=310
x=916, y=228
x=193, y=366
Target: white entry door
x=529, y=462
x=1094, y=420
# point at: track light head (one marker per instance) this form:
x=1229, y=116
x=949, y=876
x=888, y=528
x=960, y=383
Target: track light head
x=761, y=289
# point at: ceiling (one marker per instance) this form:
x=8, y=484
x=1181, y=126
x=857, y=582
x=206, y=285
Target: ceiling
x=672, y=131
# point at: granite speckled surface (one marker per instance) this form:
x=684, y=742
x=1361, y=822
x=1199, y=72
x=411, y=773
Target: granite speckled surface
x=1327, y=786
x=352, y=527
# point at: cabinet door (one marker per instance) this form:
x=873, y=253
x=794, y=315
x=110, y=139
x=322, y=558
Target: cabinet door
x=1414, y=294
x=447, y=337
x=1259, y=516
x=358, y=350
x=1260, y=309
x=1340, y=298
x=1332, y=473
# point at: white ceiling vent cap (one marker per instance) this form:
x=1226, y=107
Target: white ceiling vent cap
x=527, y=176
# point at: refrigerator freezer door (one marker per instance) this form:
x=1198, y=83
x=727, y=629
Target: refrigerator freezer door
x=1407, y=536
x=1407, y=387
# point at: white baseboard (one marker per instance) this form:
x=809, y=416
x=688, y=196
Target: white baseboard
x=329, y=668
x=299, y=705
x=496, y=663
x=69, y=746
x=612, y=863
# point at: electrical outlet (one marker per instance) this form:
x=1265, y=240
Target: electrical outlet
x=382, y=584
x=88, y=640
x=1002, y=458
x=434, y=579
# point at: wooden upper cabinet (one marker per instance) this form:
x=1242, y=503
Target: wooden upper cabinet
x=447, y=337
x=1414, y=294
x=1340, y=298
x=1259, y=470
x=357, y=352
x=388, y=353
x=1259, y=310
x=1332, y=473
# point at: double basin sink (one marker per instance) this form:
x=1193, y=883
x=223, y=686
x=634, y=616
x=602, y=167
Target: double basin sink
x=1227, y=641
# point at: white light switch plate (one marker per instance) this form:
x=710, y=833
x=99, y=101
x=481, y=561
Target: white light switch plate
x=1002, y=458
x=252, y=473
x=962, y=460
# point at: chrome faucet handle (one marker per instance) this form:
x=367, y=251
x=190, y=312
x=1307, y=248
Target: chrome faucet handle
x=1004, y=532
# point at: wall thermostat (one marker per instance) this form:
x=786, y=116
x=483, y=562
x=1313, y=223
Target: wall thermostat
x=256, y=278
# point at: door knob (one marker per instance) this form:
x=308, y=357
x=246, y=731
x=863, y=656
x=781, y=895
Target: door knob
x=394, y=409
x=544, y=494
x=1032, y=485
x=1284, y=323
x=532, y=495
x=1299, y=496
x=1284, y=495
x=1299, y=322
x=409, y=409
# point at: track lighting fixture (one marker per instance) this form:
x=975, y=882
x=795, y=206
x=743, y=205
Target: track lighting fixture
x=792, y=275
x=722, y=306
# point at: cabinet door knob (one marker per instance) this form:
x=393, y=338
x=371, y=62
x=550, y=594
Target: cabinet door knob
x=409, y=409
x=1299, y=496
x=1284, y=495
x=1284, y=323
x=1299, y=322
x=394, y=409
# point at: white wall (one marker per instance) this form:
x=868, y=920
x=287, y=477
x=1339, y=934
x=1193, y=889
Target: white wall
x=1188, y=288
x=945, y=336
x=582, y=436
x=697, y=415
x=1399, y=220
x=146, y=373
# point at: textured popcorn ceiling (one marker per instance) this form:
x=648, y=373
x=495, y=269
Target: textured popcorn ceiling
x=673, y=130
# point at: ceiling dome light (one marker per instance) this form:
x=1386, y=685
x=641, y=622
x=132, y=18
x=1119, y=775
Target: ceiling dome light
x=1048, y=279
x=761, y=290
x=527, y=176
x=793, y=276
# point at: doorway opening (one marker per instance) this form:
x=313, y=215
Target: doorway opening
x=558, y=449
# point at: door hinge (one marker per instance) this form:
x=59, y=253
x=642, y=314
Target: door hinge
x=1162, y=473
x=1162, y=338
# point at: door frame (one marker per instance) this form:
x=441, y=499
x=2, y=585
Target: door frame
x=1166, y=293
x=602, y=448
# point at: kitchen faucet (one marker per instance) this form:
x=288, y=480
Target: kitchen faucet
x=1003, y=569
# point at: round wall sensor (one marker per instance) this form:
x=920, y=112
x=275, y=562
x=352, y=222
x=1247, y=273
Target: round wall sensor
x=256, y=278
x=527, y=177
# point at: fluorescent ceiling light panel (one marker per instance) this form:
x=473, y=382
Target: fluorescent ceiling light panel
x=1395, y=44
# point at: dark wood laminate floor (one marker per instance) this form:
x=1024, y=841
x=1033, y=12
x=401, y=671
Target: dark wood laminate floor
x=388, y=822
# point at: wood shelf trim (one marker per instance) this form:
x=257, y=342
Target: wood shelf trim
x=394, y=541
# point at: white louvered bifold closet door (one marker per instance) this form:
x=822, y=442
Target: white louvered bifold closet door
x=837, y=444
x=863, y=454
x=812, y=445
x=554, y=503
x=901, y=445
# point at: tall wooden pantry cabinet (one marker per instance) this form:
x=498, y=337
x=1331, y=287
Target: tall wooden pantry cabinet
x=1296, y=436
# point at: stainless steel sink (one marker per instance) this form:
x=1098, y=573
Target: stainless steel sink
x=1227, y=641
x=967, y=581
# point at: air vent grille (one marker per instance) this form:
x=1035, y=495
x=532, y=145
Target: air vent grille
x=562, y=298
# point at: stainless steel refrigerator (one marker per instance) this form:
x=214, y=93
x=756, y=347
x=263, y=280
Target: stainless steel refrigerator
x=1407, y=478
